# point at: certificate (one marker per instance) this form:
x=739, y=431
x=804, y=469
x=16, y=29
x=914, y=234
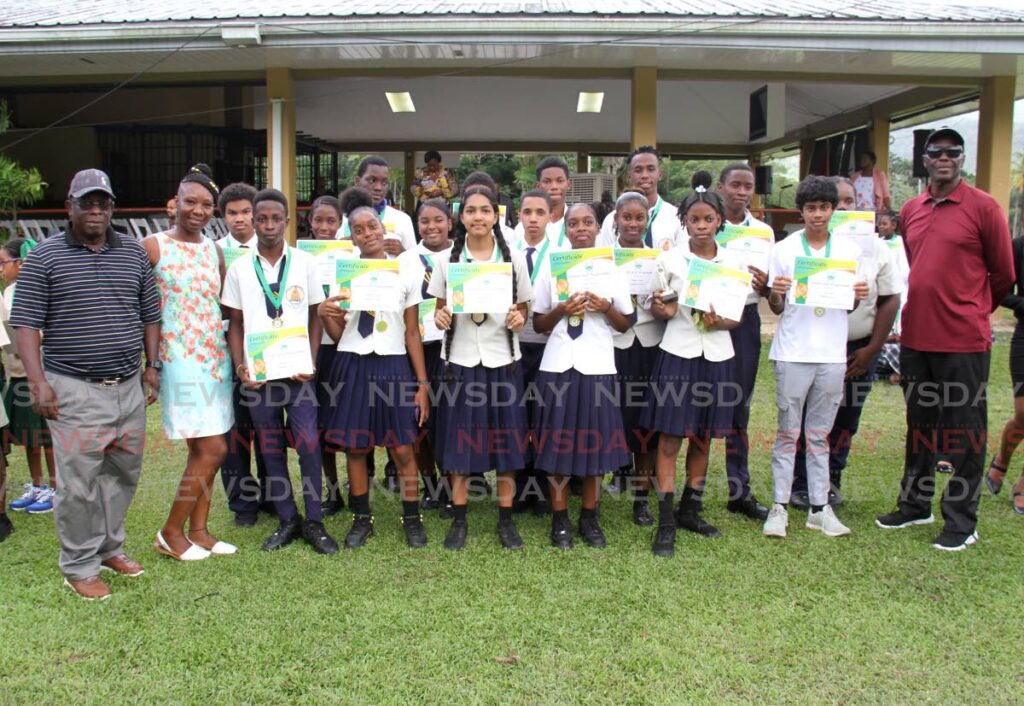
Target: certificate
x=858, y=226
x=326, y=253
x=637, y=266
x=823, y=282
x=278, y=353
x=584, y=270
x=369, y=285
x=749, y=243
x=479, y=287
x=709, y=284
x=232, y=254
x=428, y=329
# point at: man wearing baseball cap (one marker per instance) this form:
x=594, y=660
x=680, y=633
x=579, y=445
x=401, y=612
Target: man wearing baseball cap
x=961, y=266
x=89, y=293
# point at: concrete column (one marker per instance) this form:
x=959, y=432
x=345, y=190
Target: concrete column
x=281, y=140
x=995, y=137
x=410, y=174
x=644, y=107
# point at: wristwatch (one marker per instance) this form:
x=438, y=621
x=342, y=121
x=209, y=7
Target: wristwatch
x=156, y=365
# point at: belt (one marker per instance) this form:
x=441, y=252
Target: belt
x=110, y=381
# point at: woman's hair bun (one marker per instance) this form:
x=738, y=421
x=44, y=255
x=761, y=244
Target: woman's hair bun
x=353, y=198
x=701, y=178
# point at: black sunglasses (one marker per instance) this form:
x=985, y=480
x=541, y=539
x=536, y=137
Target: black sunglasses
x=951, y=152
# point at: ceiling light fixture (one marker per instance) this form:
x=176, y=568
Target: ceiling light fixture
x=401, y=102
x=589, y=102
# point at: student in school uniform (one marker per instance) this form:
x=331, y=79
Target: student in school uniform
x=434, y=222
x=636, y=352
x=809, y=351
x=534, y=214
x=553, y=178
x=246, y=495
x=693, y=385
x=373, y=370
x=324, y=221
x=580, y=433
x=663, y=228
x=887, y=224
x=736, y=187
x=480, y=178
x=479, y=428
x=869, y=327
x=279, y=287
x=195, y=367
x=373, y=175
x=6, y=526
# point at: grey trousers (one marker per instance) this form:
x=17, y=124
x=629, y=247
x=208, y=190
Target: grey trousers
x=819, y=388
x=98, y=438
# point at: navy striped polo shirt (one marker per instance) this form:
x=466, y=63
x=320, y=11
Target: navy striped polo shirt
x=90, y=305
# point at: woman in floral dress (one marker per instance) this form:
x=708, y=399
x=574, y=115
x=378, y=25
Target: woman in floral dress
x=195, y=379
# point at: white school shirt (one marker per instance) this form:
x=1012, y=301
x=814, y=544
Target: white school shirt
x=593, y=351
x=242, y=290
x=666, y=230
x=410, y=259
x=229, y=241
x=486, y=344
x=647, y=328
x=882, y=276
x=397, y=224
x=898, y=253
x=803, y=336
x=14, y=367
x=682, y=337
x=390, y=341
x=542, y=270
x=555, y=232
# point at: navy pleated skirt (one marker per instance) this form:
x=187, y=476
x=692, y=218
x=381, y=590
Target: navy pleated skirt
x=481, y=420
x=324, y=362
x=692, y=396
x=635, y=365
x=374, y=402
x=580, y=430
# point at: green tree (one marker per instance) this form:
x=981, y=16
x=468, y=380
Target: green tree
x=18, y=186
x=1017, y=195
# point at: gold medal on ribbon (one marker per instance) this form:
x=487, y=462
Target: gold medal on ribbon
x=575, y=321
x=278, y=322
x=479, y=318
x=819, y=311
x=382, y=326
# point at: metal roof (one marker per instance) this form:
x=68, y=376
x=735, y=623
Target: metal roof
x=55, y=13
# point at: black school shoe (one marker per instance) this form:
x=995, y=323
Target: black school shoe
x=245, y=519
x=286, y=533
x=642, y=516
x=591, y=533
x=748, y=506
x=456, y=537
x=5, y=527
x=332, y=506
x=508, y=535
x=664, y=541
x=428, y=501
x=415, y=533
x=561, y=532
x=316, y=536
x=362, y=529
x=688, y=515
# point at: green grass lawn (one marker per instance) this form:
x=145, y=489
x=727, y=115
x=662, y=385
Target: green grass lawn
x=876, y=617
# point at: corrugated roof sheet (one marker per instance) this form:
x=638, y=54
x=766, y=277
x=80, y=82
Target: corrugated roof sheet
x=18, y=13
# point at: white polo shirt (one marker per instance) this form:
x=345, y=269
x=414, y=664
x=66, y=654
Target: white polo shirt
x=486, y=344
x=243, y=291
x=397, y=224
x=803, y=336
x=666, y=230
x=647, y=328
x=682, y=337
x=388, y=335
x=555, y=231
x=593, y=351
x=541, y=271
x=882, y=276
x=229, y=241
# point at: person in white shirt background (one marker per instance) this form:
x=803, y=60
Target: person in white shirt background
x=480, y=432
x=373, y=175
x=553, y=178
x=809, y=351
x=579, y=432
x=643, y=172
x=693, y=385
x=379, y=356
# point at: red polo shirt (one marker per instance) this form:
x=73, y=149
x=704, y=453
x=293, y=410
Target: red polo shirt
x=961, y=267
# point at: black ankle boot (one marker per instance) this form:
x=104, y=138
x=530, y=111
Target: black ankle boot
x=665, y=537
x=415, y=533
x=688, y=515
x=362, y=529
x=642, y=516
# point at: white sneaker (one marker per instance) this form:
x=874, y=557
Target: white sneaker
x=778, y=520
x=826, y=522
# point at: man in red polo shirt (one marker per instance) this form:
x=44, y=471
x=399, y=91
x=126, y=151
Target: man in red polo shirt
x=961, y=265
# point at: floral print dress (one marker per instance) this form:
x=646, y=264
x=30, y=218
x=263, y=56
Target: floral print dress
x=195, y=384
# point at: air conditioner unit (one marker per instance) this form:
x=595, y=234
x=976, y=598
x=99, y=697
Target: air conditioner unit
x=587, y=188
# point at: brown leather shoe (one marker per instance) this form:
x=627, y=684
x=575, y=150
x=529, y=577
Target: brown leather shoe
x=90, y=589
x=123, y=565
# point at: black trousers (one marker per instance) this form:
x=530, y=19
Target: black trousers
x=947, y=417
x=245, y=493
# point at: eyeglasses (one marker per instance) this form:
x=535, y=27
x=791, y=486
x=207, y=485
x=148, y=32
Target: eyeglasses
x=951, y=152
x=13, y=260
x=89, y=203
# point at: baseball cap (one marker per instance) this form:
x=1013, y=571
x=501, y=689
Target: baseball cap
x=947, y=133
x=87, y=181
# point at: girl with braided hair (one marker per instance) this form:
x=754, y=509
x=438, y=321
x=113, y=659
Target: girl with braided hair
x=481, y=426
